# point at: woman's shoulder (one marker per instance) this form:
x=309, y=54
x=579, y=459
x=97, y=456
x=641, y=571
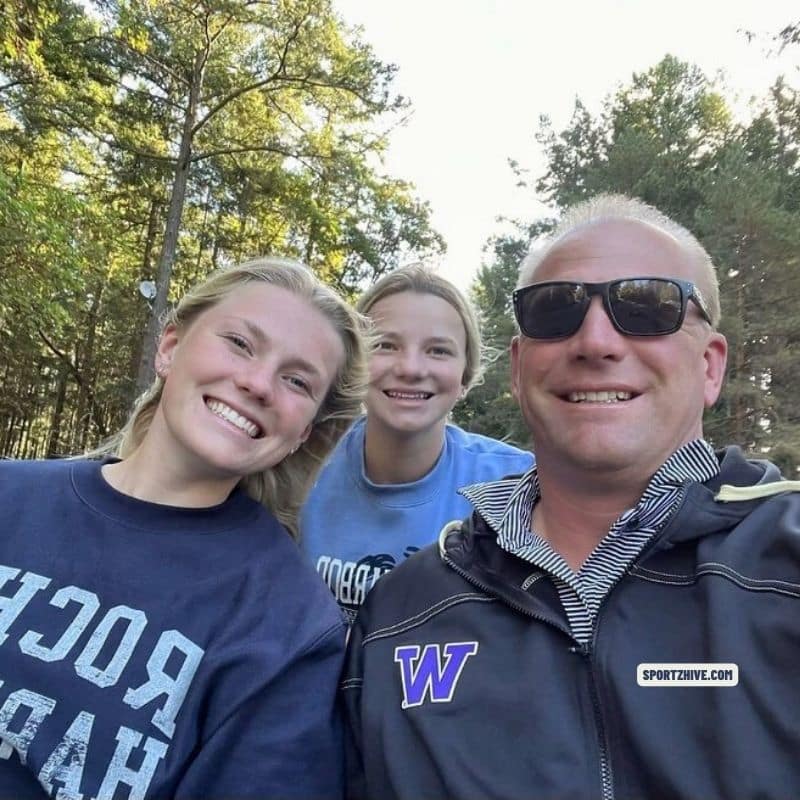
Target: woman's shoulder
x=479, y=444
x=341, y=467
x=476, y=458
x=23, y=472
x=278, y=559
x=278, y=576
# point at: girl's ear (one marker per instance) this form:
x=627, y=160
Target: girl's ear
x=305, y=434
x=166, y=348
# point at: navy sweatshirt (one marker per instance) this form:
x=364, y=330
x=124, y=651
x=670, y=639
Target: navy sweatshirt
x=150, y=651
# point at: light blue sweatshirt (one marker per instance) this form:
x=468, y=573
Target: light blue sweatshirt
x=354, y=530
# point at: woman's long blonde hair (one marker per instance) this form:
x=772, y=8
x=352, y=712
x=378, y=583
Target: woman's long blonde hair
x=283, y=487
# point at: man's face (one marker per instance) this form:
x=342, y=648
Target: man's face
x=662, y=383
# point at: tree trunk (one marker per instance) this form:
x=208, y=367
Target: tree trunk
x=8, y=435
x=167, y=257
x=132, y=372
x=739, y=361
x=54, y=440
x=85, y=365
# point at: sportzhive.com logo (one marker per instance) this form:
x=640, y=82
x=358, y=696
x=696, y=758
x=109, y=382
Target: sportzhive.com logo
x=687, y=674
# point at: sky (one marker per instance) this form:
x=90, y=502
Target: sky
x=479, y=74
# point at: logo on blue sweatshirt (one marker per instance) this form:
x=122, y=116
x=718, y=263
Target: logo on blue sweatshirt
x=431, y=671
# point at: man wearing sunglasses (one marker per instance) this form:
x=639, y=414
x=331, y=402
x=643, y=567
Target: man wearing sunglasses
x=622, y=621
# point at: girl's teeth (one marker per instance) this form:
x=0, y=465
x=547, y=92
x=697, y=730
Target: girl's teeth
x=228, y=414
x=409, y=395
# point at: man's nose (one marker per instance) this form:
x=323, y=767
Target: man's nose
x=597, y=337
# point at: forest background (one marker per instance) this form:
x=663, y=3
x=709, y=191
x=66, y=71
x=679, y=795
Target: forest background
x=143, y=143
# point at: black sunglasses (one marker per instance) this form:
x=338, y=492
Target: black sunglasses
x=635, y=306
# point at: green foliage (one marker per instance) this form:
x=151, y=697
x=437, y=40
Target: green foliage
x=490, y=408
x=152, y=140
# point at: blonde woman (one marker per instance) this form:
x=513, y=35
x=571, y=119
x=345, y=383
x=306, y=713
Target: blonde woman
x=392, y=482
x=160, y=632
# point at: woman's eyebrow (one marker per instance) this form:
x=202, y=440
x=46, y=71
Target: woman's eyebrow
x=258, y=333
x=437, y=339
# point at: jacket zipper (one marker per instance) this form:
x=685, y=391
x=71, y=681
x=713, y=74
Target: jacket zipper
x=606, y=773
x=606, y=782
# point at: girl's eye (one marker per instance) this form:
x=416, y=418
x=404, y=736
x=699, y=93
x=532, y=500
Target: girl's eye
x=385, y=346
x=239, y=342
x=299, y=383
x=441, y=351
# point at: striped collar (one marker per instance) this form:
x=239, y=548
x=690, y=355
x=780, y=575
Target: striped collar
x=506, y=505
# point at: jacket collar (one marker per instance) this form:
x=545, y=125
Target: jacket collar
x=706, y=508
x=718, y=504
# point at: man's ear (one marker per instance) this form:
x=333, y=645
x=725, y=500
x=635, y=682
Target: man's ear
x=166, y=349
x=515, y=382
x=715, y=357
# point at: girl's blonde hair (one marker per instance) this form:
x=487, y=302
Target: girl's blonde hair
x=422, y=280
x=282, y=488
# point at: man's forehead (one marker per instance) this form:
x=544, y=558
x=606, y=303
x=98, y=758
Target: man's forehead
x=622, y=247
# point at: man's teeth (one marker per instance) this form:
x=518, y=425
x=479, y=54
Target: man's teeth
x=598, y=397
x=228, y=414
x=408, y=395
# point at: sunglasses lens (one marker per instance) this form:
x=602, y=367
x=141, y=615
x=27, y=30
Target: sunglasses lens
x=646, y=306
x=551, y=310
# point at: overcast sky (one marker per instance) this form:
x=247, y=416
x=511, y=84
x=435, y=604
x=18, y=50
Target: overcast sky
x=479, y=74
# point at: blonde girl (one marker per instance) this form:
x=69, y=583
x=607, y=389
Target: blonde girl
x=162, y=635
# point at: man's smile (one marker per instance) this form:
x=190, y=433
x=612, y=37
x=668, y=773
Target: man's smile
x=606, y=396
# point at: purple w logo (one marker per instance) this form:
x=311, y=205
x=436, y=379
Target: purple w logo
x=425, y=673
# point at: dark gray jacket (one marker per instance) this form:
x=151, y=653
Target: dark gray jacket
x=463, y=680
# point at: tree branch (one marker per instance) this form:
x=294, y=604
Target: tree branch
x=65, y=359
x=63, y=356
x=258, y=84
x=301, y=157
